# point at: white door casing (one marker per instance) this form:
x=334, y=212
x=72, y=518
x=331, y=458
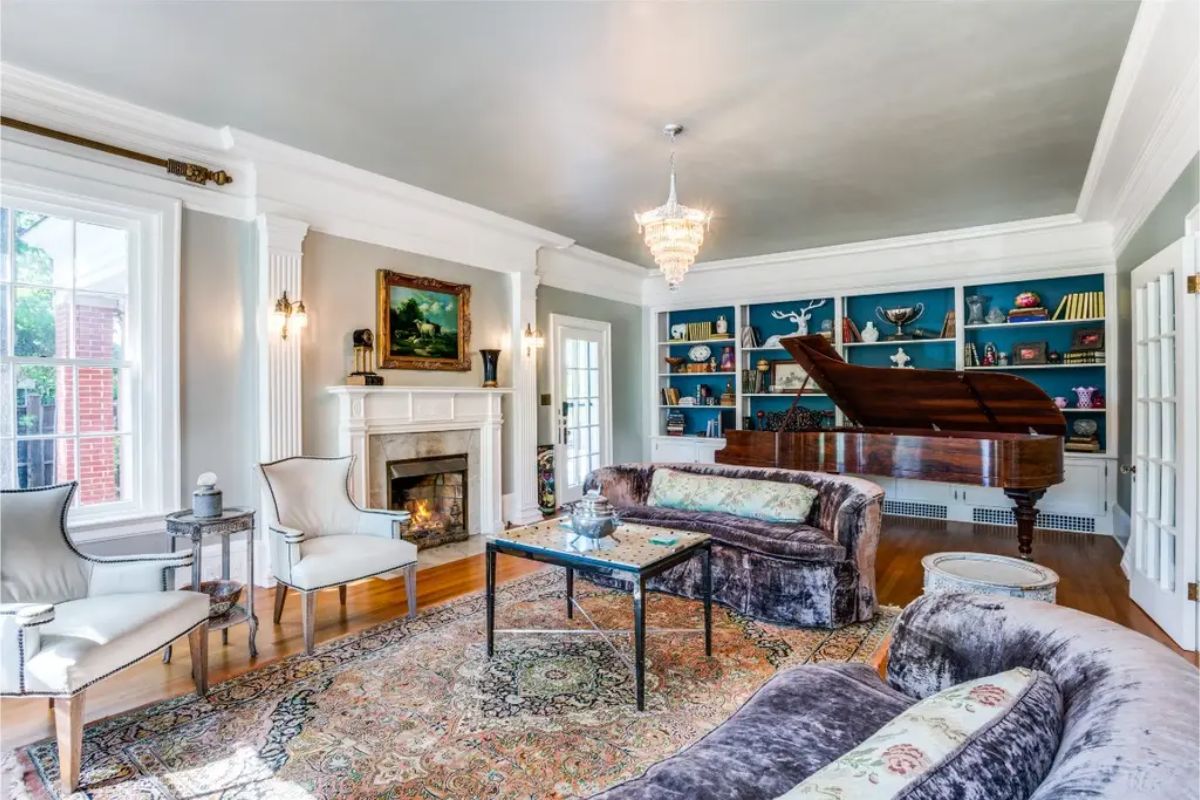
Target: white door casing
x=581, y=394
x=1163, y=549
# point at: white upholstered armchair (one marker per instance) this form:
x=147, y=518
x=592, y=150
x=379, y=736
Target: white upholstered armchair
x=68, y=620
x=319, y=538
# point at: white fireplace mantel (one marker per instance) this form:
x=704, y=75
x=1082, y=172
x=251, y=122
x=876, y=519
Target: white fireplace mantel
x=366, y=411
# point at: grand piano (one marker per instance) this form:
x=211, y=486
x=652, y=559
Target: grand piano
x=978, y=428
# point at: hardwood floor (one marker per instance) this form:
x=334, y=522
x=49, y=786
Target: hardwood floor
x=1089, y=567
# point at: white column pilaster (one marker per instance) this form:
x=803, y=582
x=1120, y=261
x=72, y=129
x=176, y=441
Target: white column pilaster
x=279, y=389
x=522, y=461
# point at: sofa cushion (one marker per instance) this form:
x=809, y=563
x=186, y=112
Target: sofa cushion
x=777, y=539
x=992, y=738
x=798, y=722
x=774, y=501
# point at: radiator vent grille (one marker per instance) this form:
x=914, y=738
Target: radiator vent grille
x=905, y=508
x=1058, y=522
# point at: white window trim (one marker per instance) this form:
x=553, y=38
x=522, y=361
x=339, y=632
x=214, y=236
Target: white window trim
x=155, y=221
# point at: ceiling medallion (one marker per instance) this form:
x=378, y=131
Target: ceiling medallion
x=673, y=232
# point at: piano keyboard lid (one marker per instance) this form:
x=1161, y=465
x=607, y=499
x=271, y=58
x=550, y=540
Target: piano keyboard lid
x=882, y=397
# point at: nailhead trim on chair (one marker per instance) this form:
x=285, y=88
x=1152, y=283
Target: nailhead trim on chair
x=62, y=529
x=339, y=583
x=113, y=671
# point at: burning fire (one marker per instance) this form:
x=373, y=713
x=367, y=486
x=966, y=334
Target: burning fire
x=423, y=515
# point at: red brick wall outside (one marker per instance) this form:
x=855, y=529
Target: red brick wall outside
x=98, y=478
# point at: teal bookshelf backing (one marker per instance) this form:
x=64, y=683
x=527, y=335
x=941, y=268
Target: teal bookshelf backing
x=861, y=309
x=1051, y=290
x=759, y=317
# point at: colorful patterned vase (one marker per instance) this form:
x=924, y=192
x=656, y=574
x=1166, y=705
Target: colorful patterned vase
x=1084, y=396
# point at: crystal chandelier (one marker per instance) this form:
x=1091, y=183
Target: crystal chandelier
x=673, y=232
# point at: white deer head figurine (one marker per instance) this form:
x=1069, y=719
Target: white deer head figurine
x=800, y=319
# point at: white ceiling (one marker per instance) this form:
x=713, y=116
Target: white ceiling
x=810, y=123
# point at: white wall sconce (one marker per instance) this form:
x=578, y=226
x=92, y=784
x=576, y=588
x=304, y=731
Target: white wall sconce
x=287, y=313
x=533, y=339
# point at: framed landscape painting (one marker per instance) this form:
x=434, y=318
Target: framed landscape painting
x=424, y=323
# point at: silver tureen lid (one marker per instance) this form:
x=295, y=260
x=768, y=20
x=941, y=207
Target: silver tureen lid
x=593, y=504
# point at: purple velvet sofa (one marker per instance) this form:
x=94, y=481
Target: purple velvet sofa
x=820, y=573
x=1130, y=713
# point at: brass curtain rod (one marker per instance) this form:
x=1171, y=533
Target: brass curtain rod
x=192, y=172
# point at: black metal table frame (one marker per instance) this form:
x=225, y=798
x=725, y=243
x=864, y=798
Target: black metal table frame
x=573, y=562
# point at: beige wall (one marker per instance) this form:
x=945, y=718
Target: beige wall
x=218, y=413
x=339, y=292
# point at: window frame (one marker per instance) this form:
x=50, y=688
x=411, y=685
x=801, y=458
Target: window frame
x=151, y=337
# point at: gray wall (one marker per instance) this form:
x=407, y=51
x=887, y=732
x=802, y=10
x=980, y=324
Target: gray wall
x=218, y=413
x=629, y=441
x=339, y=293
x=1161, y=228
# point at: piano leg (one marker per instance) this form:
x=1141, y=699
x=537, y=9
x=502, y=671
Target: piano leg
x=1025, y=511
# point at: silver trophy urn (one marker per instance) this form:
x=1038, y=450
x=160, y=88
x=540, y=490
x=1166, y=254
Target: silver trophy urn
x=900, y=317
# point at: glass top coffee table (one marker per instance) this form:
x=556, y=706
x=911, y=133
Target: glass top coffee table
x=628, y=550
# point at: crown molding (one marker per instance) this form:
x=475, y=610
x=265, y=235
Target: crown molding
x=1150, y=130
x=1047, y=245
x=269, y=177
x=890, y=243
x=578, y=269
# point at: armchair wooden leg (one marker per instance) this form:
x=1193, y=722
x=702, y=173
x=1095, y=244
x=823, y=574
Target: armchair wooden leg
x=280, y=596
x=410, y=588
x=198, y=645
x=342, y=594
x=68, y=728
x=309, y=619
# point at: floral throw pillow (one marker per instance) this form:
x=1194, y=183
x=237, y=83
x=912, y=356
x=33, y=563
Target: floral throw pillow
x=988, y=739
x=773, y=501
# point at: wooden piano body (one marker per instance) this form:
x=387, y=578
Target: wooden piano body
x=979, y=428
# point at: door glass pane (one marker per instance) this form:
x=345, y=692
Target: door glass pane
x=1166, y=510
x=43, y=248
x=1168, y=431
x=1152, y=490
x=1151, y=564
x=1140, y=306
x=1167, y=366
x=1166, y=303
x=1154, y=430
x=1166, y=560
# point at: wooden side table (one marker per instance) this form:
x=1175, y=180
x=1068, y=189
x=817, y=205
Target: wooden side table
x=185, y=524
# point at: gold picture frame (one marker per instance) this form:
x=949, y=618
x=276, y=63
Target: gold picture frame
x=413, y=316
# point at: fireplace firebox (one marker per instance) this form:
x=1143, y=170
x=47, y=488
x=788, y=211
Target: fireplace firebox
x=433, y=490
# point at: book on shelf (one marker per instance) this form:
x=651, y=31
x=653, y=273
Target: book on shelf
x=948, y=324
x=1083, y=444
x=676, y=423
x=1080, y=305
x=753, y=381
x=700, y=330
x=850, y=332
x=1036, y=314
x=1083, y=357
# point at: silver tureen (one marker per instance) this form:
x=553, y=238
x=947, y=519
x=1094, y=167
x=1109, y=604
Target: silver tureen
x=593, y=517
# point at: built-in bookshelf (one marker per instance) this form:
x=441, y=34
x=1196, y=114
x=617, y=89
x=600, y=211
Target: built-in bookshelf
x=940, y=335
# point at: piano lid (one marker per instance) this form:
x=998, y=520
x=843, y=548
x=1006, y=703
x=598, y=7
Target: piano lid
x=880, y=397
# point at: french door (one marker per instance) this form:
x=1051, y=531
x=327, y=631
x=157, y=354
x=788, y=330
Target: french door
x=582, y=396
x=1163, y=556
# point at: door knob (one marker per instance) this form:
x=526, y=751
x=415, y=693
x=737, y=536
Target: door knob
x=1129, y=469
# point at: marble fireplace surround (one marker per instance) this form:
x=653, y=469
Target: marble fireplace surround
x=382, y=423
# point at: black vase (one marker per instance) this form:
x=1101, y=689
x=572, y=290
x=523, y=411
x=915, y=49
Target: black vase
x=490, y=359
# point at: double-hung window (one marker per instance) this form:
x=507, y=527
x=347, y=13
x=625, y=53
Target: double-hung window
x=79, y=369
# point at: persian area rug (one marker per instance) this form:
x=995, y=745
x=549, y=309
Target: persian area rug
x=415, y=709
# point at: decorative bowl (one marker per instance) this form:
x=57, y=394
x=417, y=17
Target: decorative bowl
x=1084, y=427
x=222, y=596
x=1027, y=300
x=674, y=362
